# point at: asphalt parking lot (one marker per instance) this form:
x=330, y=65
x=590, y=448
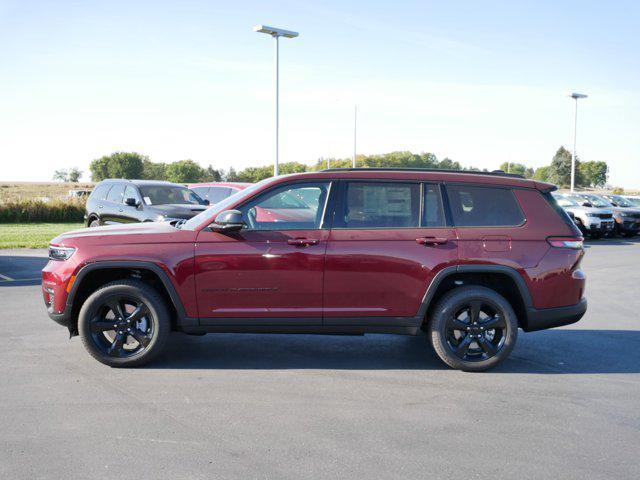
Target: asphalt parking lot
x=565, y=405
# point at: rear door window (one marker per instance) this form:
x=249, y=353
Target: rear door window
x=116, y=194
x=432, y=211
x=217, y=194
x=480, y=206
x=202, y=192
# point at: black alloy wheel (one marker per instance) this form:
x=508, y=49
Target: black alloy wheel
x=124, y=324
x=473, y=328
x=476, y=331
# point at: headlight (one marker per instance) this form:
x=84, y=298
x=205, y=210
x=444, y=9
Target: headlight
x=60, y=253
x=624, y=214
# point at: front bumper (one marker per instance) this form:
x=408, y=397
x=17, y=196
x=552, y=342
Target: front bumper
x=543, y=318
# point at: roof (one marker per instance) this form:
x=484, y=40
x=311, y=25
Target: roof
x=435, y=175
x=140, y=182
x=221, y=184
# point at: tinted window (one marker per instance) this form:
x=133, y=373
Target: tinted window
x=116, y=194
x=217, y=194
x=381, y=205
x=284, y=209
x=432, y=212
x=100, y=192
x=483, y=206
x=169, y=194
x=203, y=192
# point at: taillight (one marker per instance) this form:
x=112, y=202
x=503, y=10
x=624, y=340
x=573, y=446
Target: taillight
x=565, y=242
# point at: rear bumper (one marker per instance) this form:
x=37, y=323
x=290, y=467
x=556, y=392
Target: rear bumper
x=543, y=318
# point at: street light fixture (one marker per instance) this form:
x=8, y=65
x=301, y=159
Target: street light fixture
x=276, y=33
x=575, y=96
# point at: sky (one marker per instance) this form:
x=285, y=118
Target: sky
x=478, y=82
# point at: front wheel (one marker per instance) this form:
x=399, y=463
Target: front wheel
x=473, y=328
x=124, y=324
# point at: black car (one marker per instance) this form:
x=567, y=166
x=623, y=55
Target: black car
x=128, y=201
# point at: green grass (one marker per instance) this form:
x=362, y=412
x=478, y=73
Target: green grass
x=32, y=235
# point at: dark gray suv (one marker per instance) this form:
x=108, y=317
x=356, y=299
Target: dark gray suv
x=129, y=201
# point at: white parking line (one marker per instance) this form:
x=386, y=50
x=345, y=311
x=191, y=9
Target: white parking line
x=4, y=277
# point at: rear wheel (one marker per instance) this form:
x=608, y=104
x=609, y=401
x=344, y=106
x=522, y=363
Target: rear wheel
x=94, y=223
x=124, y=324
x=473, y=328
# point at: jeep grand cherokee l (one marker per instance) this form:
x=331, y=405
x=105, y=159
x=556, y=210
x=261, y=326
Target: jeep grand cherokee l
x=466, y=258
x=129, y=201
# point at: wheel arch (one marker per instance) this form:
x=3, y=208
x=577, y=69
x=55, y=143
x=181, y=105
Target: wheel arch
x=94, y=275
x=502, y=279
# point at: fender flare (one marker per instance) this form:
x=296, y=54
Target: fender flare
x=452, y=270
x=138, y=265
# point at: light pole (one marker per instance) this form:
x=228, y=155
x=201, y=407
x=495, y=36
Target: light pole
x=355, y=133
x=276, y=33
x=575, y=96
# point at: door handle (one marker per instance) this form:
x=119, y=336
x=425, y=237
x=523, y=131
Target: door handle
x=99, y=206
x=121, y=210
x=302, y=242
x=431, y=240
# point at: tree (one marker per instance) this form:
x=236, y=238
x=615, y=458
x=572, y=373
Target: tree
x=212, y=175
x=118, y=165
x=61, y=175
x=594, y=173
x=231, y=175
x=560, y=169
x=518, y=168
x=74, y=175
x=154, y=170
x=184, y=171
x=542, y=174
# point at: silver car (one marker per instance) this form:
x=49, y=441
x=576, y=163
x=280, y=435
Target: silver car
x=591, y=221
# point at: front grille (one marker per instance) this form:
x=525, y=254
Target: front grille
x=605, y=215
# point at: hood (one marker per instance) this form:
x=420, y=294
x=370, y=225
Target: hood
x=128, y=233
x=185, y=211
x=593, y=210
x=628, y=210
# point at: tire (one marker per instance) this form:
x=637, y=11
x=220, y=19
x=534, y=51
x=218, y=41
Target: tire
x=94, y=223
x=629, y=234
x=596, y=236
x=451, y=328
x=132, y=337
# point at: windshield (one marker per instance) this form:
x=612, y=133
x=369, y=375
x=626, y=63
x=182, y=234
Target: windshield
x=598, y=202
x=169, y=194
x=634, y=201
x=621, y=201
x=566, y=201
x=210, y=213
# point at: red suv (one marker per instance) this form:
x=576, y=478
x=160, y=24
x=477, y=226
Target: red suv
x=467, y=258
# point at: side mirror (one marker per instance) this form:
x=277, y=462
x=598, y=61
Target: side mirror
x=586, y=204
x=207, y=202
x=228, y=221
x=132, y=202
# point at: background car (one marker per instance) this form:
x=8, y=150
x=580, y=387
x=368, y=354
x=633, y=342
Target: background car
x=217, y=191
x=627, y=219
x=129, y=201
x=634, y=199
x=591, y=221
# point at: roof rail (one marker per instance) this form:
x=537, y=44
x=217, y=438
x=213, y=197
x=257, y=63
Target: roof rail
x=496, y=173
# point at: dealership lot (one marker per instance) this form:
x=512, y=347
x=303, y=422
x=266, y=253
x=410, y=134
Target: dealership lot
x=565, y=405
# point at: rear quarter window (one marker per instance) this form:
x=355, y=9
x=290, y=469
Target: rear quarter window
x=484, y=206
